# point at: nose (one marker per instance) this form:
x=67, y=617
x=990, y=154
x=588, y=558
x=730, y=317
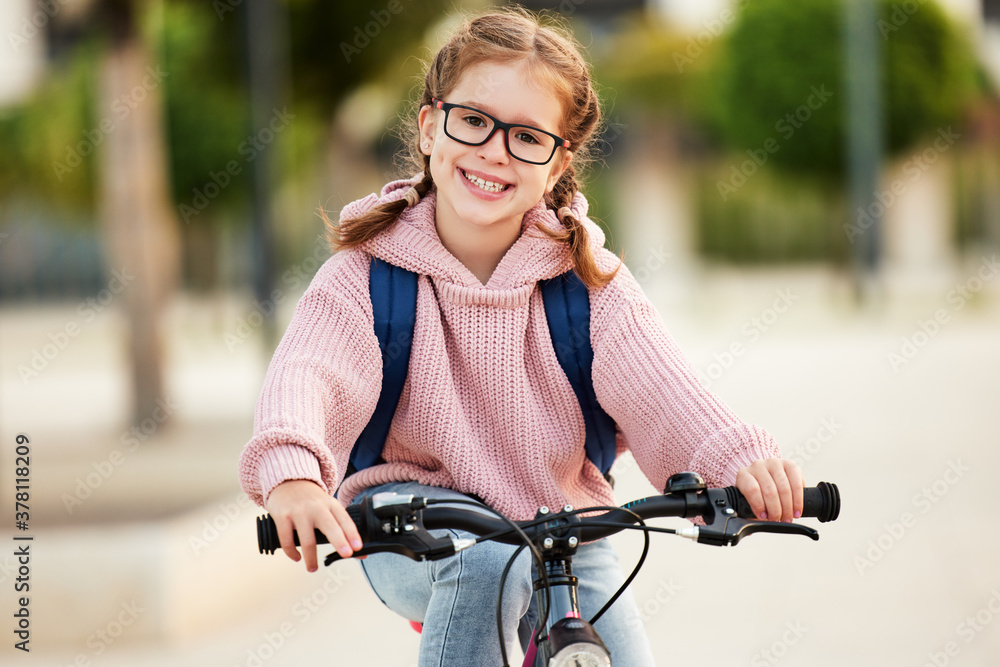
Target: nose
x=495, y=148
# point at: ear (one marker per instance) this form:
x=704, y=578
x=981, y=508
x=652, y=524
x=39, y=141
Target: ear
x=558, y=167
x=427, y=122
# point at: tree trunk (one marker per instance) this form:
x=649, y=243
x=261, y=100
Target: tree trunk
x=138, y=222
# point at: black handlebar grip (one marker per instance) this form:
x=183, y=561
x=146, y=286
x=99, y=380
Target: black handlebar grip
x=267, y=532
x=821, y=501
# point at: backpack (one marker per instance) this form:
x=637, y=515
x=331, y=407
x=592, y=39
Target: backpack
x=393, y=293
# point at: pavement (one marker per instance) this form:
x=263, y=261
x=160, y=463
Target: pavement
x=144, y=552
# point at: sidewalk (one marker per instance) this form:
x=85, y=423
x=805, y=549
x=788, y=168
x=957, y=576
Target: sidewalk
x=907, y=576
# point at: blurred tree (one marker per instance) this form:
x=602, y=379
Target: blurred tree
x=138, y=221
x=782, y=75
x=145, y=107
x=765, y=81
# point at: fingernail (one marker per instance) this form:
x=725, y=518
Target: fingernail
x=798, y=514
x=344, y=552
x=356, y=544
x=763, y=516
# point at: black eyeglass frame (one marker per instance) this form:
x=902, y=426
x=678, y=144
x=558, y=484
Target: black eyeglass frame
x=497, y=125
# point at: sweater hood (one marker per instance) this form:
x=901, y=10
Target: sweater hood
x=412, y=242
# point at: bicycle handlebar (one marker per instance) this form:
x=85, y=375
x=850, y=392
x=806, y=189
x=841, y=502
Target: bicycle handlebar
x=725, y=511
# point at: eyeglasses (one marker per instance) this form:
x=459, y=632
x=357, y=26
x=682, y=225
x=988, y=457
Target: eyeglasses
x=473, y=127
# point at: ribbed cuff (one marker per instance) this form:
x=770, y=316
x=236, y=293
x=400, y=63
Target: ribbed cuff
x=286, y=462
x=722, y=456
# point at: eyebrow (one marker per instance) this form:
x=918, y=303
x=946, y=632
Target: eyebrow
x=520, y=120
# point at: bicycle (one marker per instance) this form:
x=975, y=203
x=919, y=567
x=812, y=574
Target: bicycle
x=394, y=523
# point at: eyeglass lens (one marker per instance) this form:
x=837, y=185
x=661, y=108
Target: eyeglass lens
x=525, y=143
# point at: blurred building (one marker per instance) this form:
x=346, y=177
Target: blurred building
x=23, y=57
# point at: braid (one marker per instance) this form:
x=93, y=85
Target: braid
x=355, y=231
x=575, y=234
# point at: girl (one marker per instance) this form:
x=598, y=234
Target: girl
x=506, y=113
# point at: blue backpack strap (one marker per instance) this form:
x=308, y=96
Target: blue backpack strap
x=567, y=308
x=394, y=306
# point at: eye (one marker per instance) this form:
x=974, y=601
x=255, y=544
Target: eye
x=526, y=137
x=475, y=120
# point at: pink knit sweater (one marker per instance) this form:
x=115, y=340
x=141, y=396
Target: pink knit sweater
x=486, y=408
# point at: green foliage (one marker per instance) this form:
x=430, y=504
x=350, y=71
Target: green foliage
x=50, y=142
x=779, y=53
x=205, y=105
x=772, y=218
x=765, y=82
x=655, y=70
x=337, y=46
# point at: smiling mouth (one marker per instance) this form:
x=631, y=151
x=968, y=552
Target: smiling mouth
x=482, y=184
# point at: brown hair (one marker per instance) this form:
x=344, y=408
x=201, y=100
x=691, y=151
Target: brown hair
x=553, y=55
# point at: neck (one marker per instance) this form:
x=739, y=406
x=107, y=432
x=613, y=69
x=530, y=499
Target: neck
x=480, y=249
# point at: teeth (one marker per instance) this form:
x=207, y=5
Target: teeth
x=489, y=186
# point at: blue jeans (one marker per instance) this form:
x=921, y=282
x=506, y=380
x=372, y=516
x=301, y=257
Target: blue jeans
x=455, y=598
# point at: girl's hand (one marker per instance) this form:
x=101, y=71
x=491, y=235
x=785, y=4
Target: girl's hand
x=303, y=506
x=773, y=487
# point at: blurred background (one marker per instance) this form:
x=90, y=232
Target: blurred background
x=809, y=193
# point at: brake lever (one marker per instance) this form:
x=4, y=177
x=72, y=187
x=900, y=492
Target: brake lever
x=724, y=526
x=734, y=529
x=397, y=515
x=416, y=545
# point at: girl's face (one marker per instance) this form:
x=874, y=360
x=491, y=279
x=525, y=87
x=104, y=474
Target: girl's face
x=506, y=92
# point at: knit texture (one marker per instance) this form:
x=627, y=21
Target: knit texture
x=486, y=408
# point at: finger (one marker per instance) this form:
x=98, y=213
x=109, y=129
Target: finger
x=784, y=489
x=307, y=541
x=286, y=537
x=746, y=482
x=350, y=530
x=772, y=499
x=798, y=485
x=334, y=534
